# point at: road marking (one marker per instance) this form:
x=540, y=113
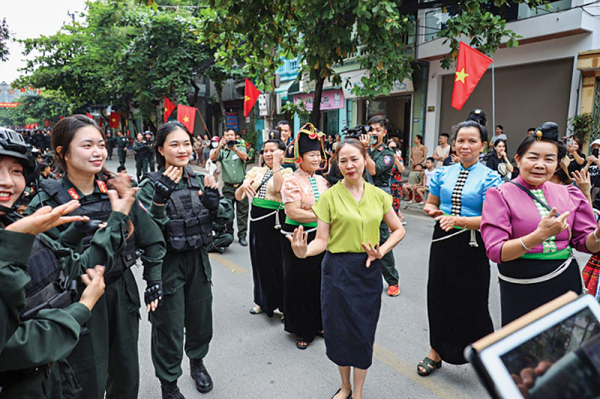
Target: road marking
x=443, y=390
x=234, y=267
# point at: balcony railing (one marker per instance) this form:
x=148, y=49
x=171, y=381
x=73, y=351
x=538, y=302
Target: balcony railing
x=289, y=69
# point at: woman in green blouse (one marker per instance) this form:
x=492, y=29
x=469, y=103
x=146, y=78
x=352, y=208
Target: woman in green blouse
x=351, y=271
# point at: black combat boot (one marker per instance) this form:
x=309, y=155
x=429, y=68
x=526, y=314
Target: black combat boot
x=203, y=381
x=170, y=390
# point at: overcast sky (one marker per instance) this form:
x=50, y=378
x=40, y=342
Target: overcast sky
x=32, y=18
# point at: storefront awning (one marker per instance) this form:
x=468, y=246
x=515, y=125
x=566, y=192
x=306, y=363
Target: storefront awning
x=283, y=89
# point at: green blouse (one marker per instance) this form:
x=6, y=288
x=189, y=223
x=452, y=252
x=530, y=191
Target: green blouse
x=352, y=222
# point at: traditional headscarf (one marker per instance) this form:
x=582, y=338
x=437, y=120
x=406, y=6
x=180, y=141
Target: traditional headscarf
x=307, y=139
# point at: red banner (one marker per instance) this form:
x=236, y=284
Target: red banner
x=470, y=67
x=187, y=116
x=9, y=105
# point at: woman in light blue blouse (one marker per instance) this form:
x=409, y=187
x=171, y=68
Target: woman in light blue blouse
x=459, y=270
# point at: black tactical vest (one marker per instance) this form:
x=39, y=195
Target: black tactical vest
x=99, y=209
x=190, y=224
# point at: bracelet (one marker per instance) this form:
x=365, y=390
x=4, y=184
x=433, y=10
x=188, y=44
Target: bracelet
x=465, y=226
x=521, y=241
x=595, y=236
x=276, y=170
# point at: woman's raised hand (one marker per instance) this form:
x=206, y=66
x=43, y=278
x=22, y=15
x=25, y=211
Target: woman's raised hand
x=583, y=181
x=122, y=200
x=95, y=286
x=372, y=253
x=299, y=242
x=166, y=184
x=247, y=190
x=277, y=157
x=550, y=225
x=46, y=218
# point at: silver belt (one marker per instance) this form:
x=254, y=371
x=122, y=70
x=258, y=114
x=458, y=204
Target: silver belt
x=535, y=280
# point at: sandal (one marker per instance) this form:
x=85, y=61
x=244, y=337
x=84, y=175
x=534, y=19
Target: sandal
x=429, y=365
x=320, y=334
x=256, y=310
x=301, y=343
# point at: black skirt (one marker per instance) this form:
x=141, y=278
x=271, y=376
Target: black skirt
x=351, y=301
x=301, y=289
x=265, y=254
x=519, y=299
x=457, y=294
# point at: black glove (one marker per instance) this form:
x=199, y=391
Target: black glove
x=164, y=187
x=153, y=291
x=210, y=198
x=87, y=228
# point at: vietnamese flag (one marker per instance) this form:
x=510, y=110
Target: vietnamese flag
x=89, y=115
x=187, y=116
x=101, y=122
x=114, y=120
x=47, y=123
x=251, y=94
x=169, y=108
x=470, y=67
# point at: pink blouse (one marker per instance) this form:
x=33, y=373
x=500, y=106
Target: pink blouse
x=508, y=213
x=297, y=187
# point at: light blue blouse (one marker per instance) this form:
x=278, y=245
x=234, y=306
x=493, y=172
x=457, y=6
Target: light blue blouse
x=479, y=180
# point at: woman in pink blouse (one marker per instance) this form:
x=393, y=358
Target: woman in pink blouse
x=302, y=277
x=532, y=239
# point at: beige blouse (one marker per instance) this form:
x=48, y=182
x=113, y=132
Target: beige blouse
x=297, y=187
x=257, y=174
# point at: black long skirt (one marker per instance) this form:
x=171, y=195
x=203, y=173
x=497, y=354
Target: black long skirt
x=351, y=302
x=519, y=299
x=457, y=294
x=267, y=265
x=301, y=290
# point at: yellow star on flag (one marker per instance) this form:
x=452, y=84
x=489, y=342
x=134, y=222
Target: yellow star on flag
x=461, y=76
x=166, y=109
x=246, y=98
x=186, y=119
x=114, y=120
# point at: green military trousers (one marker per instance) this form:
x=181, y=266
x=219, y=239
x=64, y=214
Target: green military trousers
x=122, y=156
x=141, y=166
x=388, y=263
x=106, y=357
x=241, y=211
x=186, y=304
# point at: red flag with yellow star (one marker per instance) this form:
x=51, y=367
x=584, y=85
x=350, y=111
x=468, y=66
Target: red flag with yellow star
x=169, y=108
x=251, y=94
x=114, y=120
x=187, y=116
x=470, y=67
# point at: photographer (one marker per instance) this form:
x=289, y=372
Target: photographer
x=233, y=164
x=592, y=166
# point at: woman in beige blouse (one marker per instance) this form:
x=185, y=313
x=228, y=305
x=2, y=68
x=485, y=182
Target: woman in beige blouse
x=263, y=186
x=418, y=153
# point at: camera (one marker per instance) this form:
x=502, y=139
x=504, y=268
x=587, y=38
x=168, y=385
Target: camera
x=595, y=152
x=356, y=131
x=231, y=143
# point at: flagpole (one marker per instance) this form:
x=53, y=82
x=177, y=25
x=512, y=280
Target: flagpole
x=204, y=123
x=493, y=101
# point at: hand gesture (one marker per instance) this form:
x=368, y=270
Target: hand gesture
x=454, y=158
x=166, y=185
x=446, y=222
x=209, y=182
x=583, y=181
x=277, y=157
x=299, y=242
x=247, y=190
x=372, y=253
x=94, y=281
x=122, y=201
x=46, y=218
x=501, y=154
x=222, y=143
x=365, y=140
x=570, y=149
x=432, y=211
x=550, y=225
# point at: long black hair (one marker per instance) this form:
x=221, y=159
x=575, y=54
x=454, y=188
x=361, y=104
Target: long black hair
x=161, y=136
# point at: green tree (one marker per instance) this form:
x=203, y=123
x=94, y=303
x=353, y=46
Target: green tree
x=4, y=38
x=324, y=33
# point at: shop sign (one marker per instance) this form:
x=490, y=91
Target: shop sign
x=330, y=99
x=351, y=79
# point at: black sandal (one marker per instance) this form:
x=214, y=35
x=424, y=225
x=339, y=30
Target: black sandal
x=299, y=342
x=429, y=365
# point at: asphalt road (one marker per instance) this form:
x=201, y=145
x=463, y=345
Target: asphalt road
x=252, y=357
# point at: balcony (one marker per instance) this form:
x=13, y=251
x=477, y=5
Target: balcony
x=289, y=69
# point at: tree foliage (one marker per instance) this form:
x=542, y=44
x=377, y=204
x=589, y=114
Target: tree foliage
x=4, y=38
x=35, y=109
x=325, y=33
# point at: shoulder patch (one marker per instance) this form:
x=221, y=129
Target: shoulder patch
x=142, y=206
x=388, y=159
x=73, y=193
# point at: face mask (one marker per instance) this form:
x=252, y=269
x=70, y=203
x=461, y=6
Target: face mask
x=214, y=144
x=374, y=140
